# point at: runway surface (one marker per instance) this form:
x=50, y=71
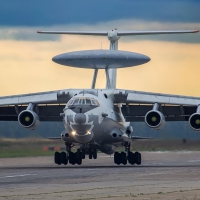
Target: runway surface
x=162, y=175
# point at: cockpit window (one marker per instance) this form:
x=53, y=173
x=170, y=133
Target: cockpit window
x=93, y=102
x=71, y=102
x=76, y=101
x=97, y=103
x=83, y=101
x=88, y=102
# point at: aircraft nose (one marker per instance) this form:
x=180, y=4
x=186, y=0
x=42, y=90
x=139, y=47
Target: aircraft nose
x=80, y=118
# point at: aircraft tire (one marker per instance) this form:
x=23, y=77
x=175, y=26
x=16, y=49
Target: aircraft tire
x=63, y=158
x=83, y=154
x=57, y=159
x=79, y=161
x=131, y=158
x=123, y=158
x=140, y=159
x=78, y=155
x=90, y=153
x=94, y=153
x=117, y=158
x=72, y=158
x=137, y=158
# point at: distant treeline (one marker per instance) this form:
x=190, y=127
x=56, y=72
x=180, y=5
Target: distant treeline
x=171, y=130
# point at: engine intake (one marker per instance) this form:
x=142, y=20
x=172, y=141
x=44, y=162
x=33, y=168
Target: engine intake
x=194, y=121
x=28, y=119
x=155, y=119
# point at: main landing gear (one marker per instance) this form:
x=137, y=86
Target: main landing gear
x=73, y=157
x=123, y=158
x=69, y=157
x=127, y=156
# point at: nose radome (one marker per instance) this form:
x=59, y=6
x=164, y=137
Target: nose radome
x=80, y=118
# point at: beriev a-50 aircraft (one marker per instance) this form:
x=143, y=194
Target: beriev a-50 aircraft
x=99, y=119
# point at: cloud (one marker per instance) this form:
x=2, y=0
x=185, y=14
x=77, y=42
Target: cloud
x=62, y=12
x=25, y=33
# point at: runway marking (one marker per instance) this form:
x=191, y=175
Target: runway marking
x=194, y=161
x=157, y=163
x=106, y=156
x=20, y=175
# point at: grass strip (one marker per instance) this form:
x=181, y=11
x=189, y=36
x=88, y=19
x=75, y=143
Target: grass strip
x=34, y=146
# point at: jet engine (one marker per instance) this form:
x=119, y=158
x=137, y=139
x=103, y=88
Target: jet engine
x=155, y=119
x=28, y=119
x=194, y=121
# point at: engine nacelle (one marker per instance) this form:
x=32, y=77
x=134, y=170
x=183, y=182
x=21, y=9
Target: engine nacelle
x=194, y=121
x=155, y=119
x=28, y=119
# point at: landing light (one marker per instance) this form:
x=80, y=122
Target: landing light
x=73, y=132
x=88, y=132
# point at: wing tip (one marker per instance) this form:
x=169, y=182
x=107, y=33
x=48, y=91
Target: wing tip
x=39, y=31
x=196, y=31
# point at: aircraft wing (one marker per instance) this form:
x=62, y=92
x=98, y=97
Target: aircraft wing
x=49, y=105
x=136, y=104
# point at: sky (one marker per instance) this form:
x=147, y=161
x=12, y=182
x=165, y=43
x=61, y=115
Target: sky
x=25, y=56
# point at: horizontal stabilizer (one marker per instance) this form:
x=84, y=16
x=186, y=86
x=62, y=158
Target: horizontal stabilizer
x=126, y=33
x=101, y=33
x=119, y=33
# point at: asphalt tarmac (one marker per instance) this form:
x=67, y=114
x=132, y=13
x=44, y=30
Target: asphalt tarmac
x=162, y=175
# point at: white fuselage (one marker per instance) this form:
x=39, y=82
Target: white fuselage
x=93, y=118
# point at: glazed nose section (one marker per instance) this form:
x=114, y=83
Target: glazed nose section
x=80, y=118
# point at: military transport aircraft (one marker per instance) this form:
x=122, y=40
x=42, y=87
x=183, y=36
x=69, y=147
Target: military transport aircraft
x=99, y=119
